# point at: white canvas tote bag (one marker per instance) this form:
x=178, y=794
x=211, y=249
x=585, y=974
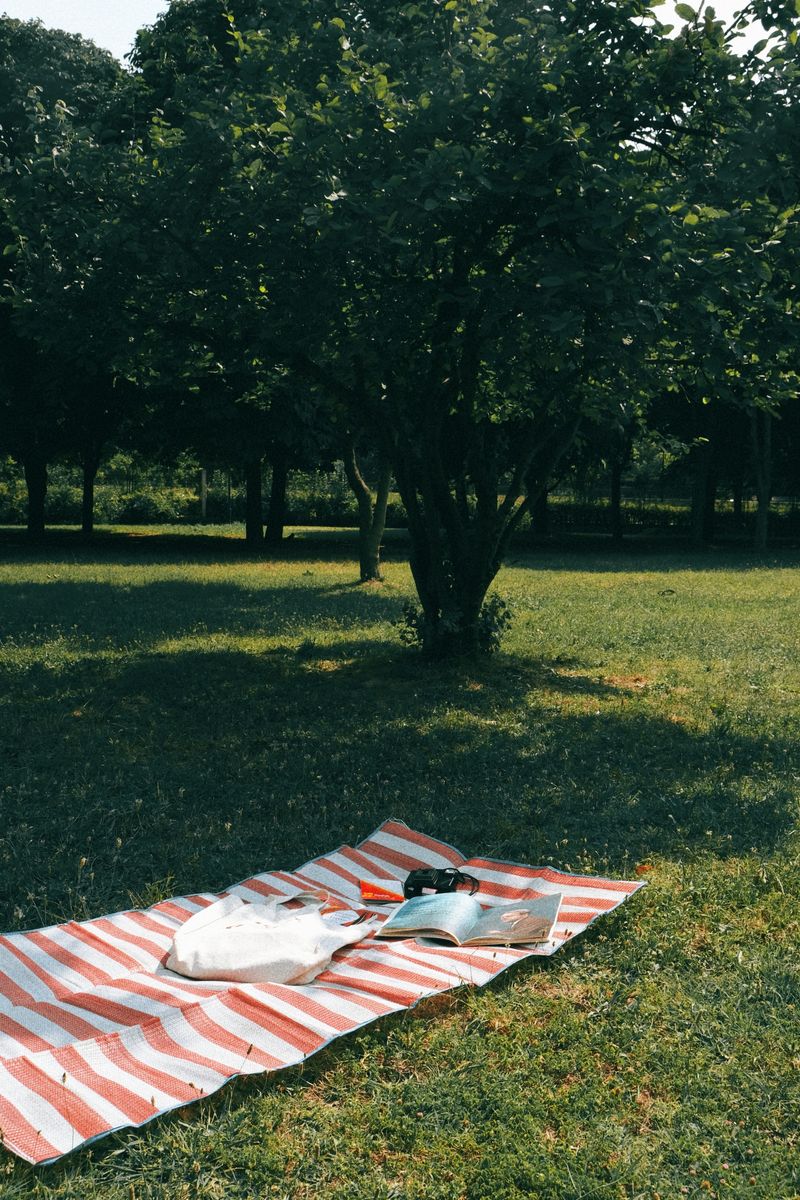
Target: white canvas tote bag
x=260, y=942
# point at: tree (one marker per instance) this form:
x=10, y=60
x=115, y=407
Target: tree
x=53, y=86
x=733, y=350
x=371, y=509
x=462, y=234
x=460, y=207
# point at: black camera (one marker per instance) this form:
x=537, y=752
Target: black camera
x=425, y=880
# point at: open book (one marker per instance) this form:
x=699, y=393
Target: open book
x=459, y=918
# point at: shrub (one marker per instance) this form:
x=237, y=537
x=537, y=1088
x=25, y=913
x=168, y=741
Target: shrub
x=63, y=505
x=157, y=506
x=13, y=502
x=495, y=617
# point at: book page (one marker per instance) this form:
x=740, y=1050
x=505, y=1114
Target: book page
x=526, y=921
x=452, y=913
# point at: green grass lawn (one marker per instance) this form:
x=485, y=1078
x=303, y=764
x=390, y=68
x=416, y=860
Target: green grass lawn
x=176, y=715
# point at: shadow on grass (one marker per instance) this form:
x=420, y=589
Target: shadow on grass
x=584, y=553
x=151, y=771
x=200, y=767
x=131, y=548
x=96, y=615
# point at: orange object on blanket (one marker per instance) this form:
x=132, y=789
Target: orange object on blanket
x=381, y=891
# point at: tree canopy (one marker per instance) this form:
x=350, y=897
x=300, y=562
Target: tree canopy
x=477, y=234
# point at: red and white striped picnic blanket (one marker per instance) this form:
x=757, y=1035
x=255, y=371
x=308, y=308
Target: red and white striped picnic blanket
x=96, y=1035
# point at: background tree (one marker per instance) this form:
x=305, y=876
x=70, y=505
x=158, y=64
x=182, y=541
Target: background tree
x=475, y=244
x=730, y=319
x=54, y=90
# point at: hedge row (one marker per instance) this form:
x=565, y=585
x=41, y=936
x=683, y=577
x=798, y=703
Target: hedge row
x=168, y=505
x=112, y=507
x=311, y=502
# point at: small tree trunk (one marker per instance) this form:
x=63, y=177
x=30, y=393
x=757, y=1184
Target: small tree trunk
x=371, y=514
x=36, y=483
x=738, y=489
x=541, y=514
x=203, y=494
x=617, y=529
x=710, y=506
x=91, y=465
x=761, y=533
x=276, y=513
x=370, y=557
x=253, y=517
x=761, y=433
x=700, y=468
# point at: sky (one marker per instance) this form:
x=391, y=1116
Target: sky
x=112, y=24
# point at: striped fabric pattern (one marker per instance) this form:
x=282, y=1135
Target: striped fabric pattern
x=96, y=1034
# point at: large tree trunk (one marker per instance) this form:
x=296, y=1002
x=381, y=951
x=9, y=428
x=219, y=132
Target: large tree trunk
x=36, y=483
x=452, y=570
x=91, y=464
x=761, y=434
x=455, y=556
x=254, y=534
x=371, y=514
x=276, y=513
